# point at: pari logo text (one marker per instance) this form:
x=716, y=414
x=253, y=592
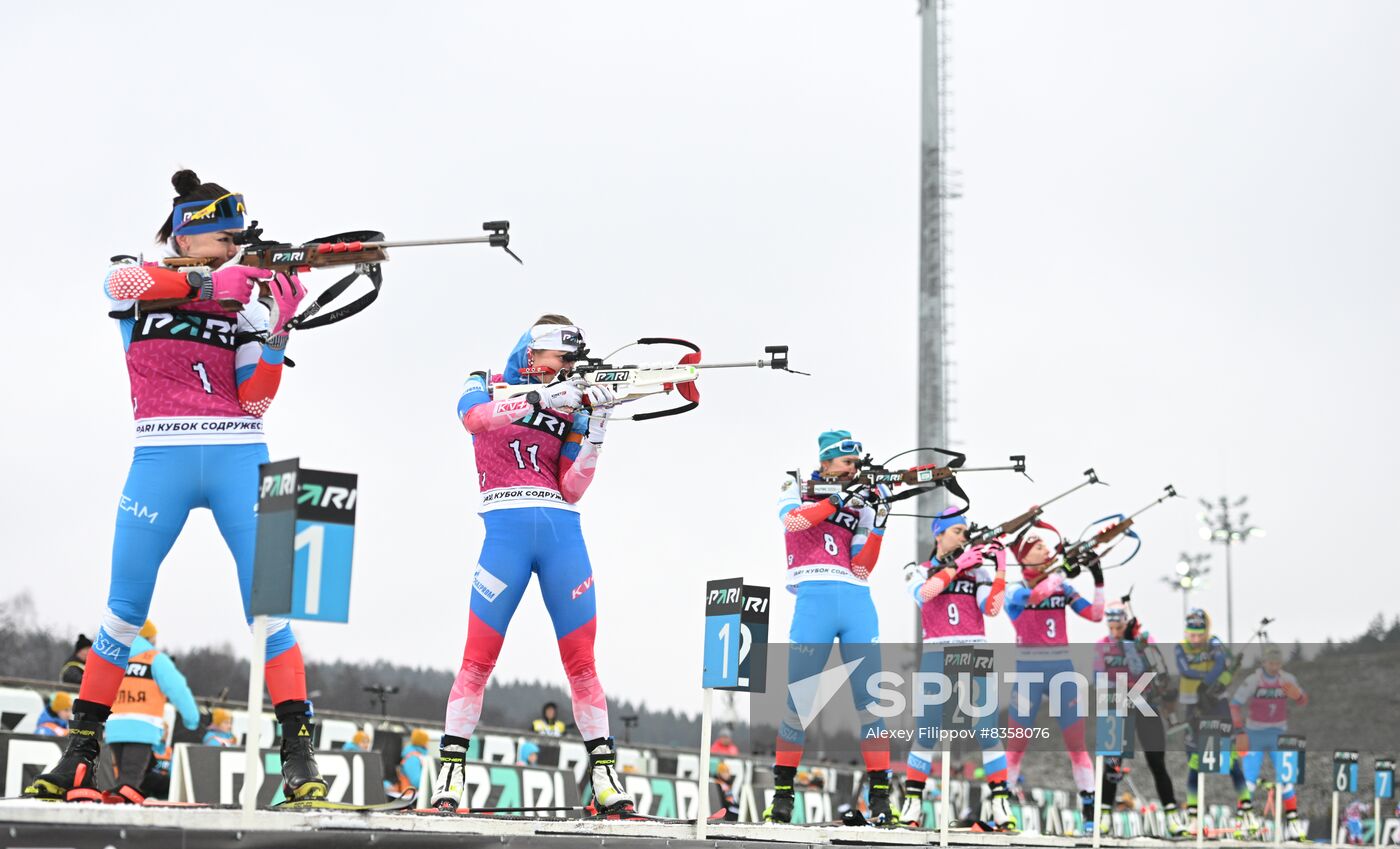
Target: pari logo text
x=275, y=485
x=723, y=596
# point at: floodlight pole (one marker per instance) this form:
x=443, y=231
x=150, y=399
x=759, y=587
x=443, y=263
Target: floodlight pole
x=1228, y=530
x=932, y=422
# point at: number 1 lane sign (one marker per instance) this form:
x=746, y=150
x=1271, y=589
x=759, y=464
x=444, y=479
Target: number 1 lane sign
x=723, y=603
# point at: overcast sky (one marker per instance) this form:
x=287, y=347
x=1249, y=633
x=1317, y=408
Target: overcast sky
x=1173, y=260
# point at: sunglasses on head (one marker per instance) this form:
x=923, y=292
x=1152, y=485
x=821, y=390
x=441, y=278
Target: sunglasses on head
x=844, y=447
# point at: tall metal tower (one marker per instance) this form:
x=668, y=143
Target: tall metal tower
x=934, y=191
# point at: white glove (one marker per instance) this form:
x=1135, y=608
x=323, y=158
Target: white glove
x=599, y=396
x=561, y=396
x=598, y=425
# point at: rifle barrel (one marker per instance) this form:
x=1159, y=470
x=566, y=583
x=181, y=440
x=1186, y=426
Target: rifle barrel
x=989, y=469
x=423, y=243
x=1170, y=494
x=1090, y=480
x=744, y=364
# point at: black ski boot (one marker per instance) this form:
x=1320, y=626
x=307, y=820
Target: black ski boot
x=301, y=778
x=780, y=810
x=74, y=777
x=880, y=811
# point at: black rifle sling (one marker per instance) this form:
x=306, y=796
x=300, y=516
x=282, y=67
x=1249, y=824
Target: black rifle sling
x=309, y=317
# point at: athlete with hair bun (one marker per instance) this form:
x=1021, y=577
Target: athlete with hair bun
x=954, y=603
x=535, y=458
x=204, y=357
x=1037, y=612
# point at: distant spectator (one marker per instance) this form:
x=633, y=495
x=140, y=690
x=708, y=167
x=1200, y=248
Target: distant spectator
x=135, y=728
x=528, y=755
x=724, y=743
x=549, y=724
x=72, y=670
x=220, y=730
x=53, y=722
x=723, y=779
x=358, y=743
x=411, y=761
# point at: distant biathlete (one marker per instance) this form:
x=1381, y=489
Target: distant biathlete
x=205, y=359
x=535, y=457
x=1207, y=671
x=1260, y=706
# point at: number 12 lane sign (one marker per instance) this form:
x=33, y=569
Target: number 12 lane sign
x=723, y=602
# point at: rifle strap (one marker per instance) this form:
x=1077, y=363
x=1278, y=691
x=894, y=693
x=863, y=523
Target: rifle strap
x=309, y=317
x=1129, y=533
x=949, y=483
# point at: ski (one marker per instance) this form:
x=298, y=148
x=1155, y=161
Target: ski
x=401, y=804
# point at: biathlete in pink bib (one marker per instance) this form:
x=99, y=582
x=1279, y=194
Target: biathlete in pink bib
x=535, y=458
x=953, y=604
x=205, y=359
x=833, y=543
x=1037, y=611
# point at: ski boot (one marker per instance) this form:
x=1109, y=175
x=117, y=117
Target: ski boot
x=1194, y=824
x=1246, y=821
x=1086, y=809
x=780, y=809
x=74, y=777
x=881, y=813
x=1002, y=817
x=609, y=796
x=911, y=810
x=301, y=778
x=1293, y=830
x=1176, y=823
x=1106, y=822
x=451, y=782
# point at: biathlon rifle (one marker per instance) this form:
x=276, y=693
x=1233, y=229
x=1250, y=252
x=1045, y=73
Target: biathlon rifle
x=366, y=250
x=922, y=478
x=1077, y=555
x=633, y=382
x=983, y=534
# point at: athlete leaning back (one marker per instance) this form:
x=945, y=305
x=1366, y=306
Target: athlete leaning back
x=833, y=543
x=205, y=360
x=1037, y=612
x=535, y=457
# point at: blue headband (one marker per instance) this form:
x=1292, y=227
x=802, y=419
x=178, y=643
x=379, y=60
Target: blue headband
x=837, y=443
x=944, y=522
x=208, y=216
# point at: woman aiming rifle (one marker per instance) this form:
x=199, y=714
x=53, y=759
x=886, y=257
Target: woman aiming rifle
x=833, y=543
x=205, y=360
x=535, y=458
x=1126, y=651
x=953, y=603
x=1037, y=611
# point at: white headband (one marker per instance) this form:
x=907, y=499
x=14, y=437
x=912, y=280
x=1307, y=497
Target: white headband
x=555, y=337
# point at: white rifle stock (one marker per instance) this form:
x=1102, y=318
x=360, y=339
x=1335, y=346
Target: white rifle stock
x=634, y=382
